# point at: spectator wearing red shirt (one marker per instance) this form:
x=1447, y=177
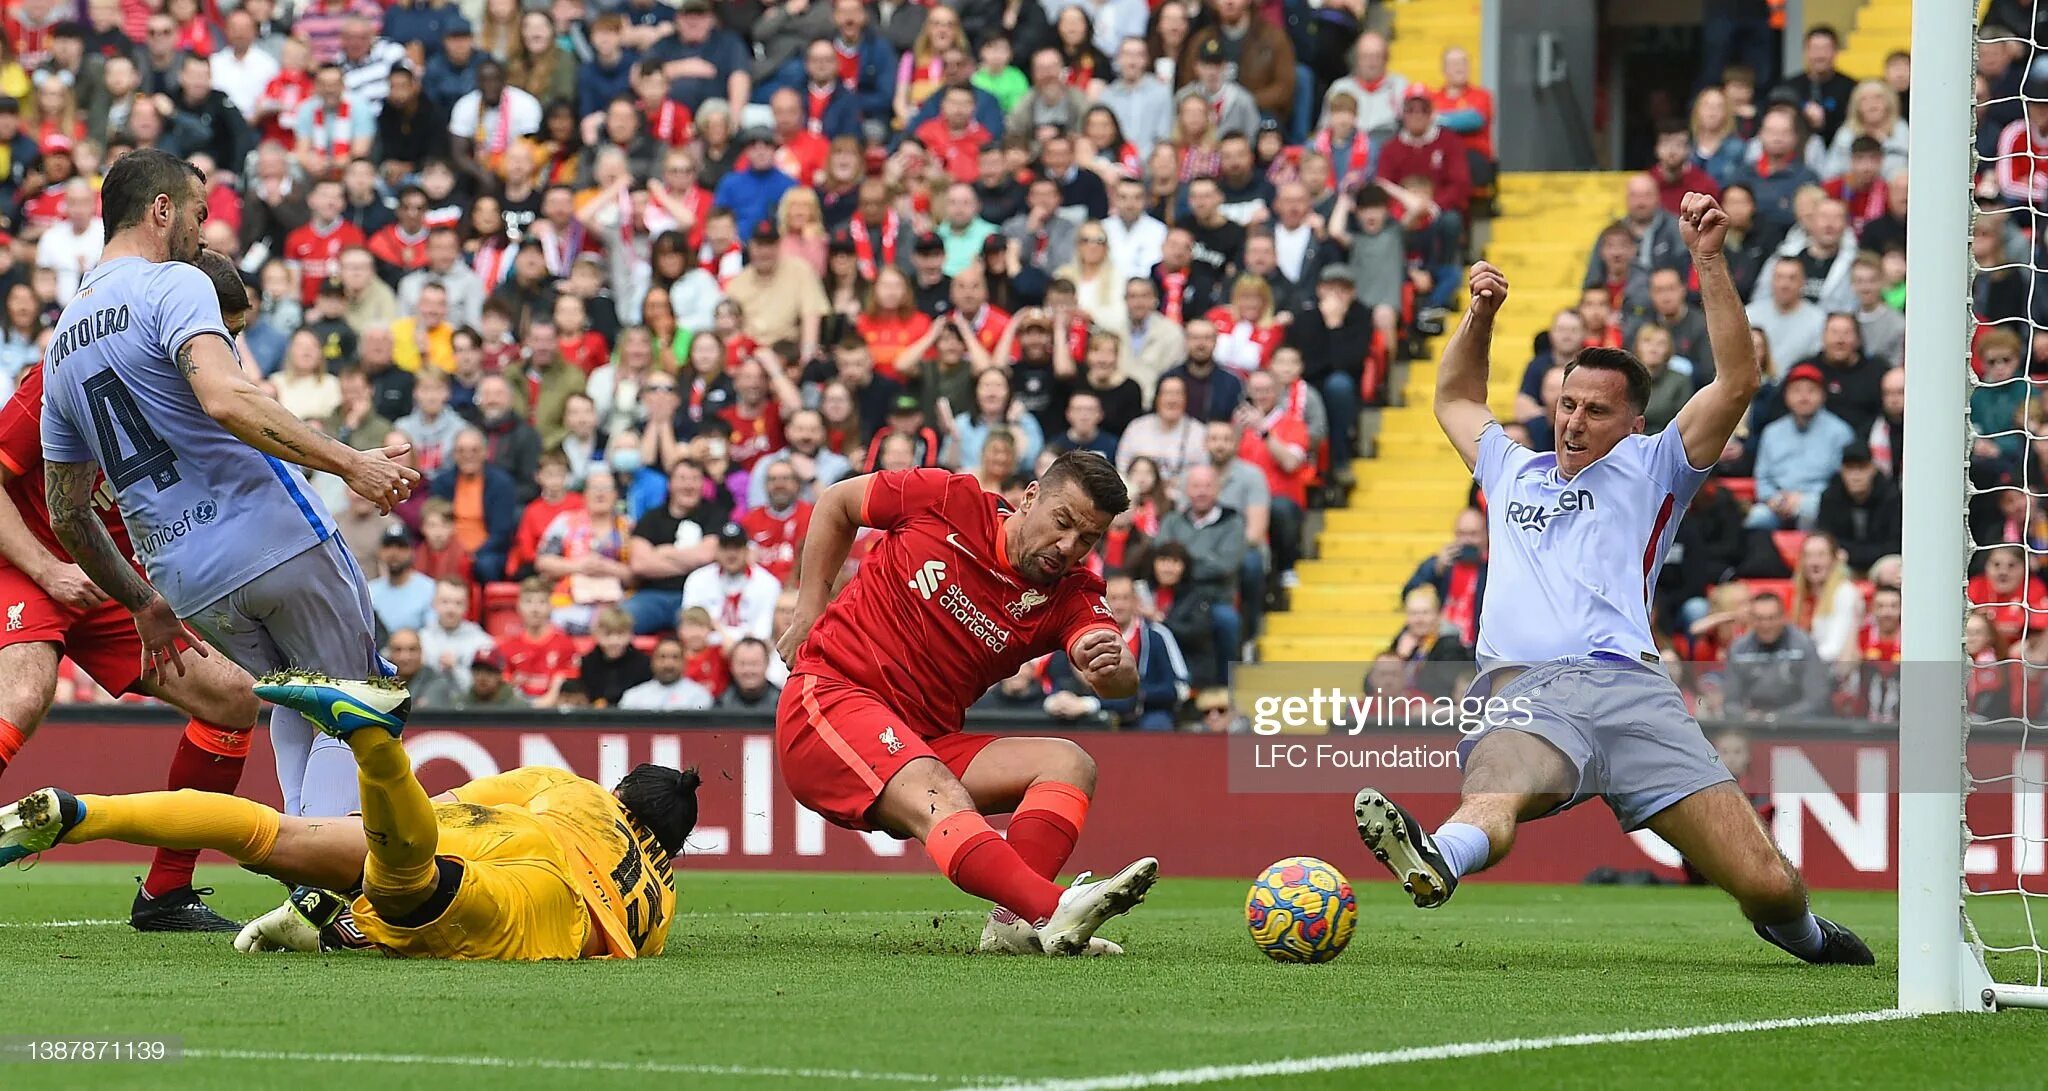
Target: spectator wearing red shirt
x=314, y=249
x=668, y=120
x=539, y=657
x=703, y=662
x=762, y=395
x=2013, y=598
x=579, y=346
x=799, y=152
x=400, y=246
x=891, y=321
x=1674, y=171
x=1422, y=147
x=954, y=137
x=1463, y=108
x=1276, y=441
x=777, y=528
x=1248, y=331
x=438, y=556
x=554, y=499
x=1862, y=187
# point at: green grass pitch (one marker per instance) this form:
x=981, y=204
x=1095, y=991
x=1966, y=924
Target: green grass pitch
x=831, y=981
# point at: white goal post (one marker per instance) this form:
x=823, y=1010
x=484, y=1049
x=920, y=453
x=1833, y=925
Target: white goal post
x=1942, y=964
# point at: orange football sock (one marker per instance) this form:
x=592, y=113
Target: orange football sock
x=240, y=829
x=977, y=860
x=1047, y=823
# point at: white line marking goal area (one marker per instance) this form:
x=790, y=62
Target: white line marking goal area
x=1342, y=1062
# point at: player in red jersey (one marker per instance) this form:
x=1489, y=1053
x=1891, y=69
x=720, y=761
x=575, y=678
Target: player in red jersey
x=958, y=595
x=52, y=610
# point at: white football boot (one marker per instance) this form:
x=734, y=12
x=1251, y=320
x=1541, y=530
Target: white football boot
x=1009, y=934
x=1086, y=906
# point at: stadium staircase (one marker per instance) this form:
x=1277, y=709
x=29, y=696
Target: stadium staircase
x=1880, y=27
x=1347, y=607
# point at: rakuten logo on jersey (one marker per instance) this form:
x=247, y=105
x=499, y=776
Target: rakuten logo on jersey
x=1536, y=517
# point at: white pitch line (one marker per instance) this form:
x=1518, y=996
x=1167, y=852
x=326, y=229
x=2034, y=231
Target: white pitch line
x=560, y=1065
x=1341, y=1062
x=58, y=924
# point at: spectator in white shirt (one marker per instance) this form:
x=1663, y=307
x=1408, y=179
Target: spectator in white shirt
x=72, y=246
x=738, y=594
x=241, y=71
x=1378, y=92
x=668, y=690
x=1135, y=236
x=1791, y=322
x=451, y=643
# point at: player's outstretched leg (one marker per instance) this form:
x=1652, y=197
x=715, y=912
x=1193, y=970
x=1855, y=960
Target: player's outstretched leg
x=926, y=801
x=1511, y=776
x=1717, y=830
x=1045, y=785
x=339, y=706
x=241, y=829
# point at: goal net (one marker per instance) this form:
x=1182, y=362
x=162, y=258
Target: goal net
x=1974, y=731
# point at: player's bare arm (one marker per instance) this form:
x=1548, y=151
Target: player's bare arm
x=1711, y=416
x=256, y=419
x=834, y=521
x=1461, y=401
x=67, y=583
x=69, y=488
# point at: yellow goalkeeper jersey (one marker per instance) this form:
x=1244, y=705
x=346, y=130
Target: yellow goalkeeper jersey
x=553, y=869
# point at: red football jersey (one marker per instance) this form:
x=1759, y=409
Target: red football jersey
x=2014, y=618
x=936, y=615
x=752, y=437
x=318, y=256
x=533, y=665
x=21, y=450
x=778, y=541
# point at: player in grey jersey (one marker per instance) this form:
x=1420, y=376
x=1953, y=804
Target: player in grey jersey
x=1584, y=706
x=143, y=384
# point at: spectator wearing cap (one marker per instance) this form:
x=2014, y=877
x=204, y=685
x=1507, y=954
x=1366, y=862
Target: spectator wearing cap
x=452, y=69
x=1231, y=105
x=401, y=597
x=930, y=287
x=906, y=418
x=1860, y=509
x=487, y=686
x=738, y=594
x=1334, y=338
x=754, y=187
x=1788, y=318
x=704, y=60
x=1798, y=454
x=1255, y=51
x=782, y=300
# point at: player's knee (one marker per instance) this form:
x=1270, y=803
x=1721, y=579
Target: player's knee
x=1073, y=766
x=234, y=706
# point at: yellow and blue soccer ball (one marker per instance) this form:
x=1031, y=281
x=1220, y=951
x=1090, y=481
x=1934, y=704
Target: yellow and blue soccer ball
x=1301, y=910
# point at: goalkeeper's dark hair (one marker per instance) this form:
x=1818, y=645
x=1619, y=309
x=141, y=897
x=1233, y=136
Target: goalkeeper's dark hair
x=663, y=801
x=228, y=286
x=1098, y=479
x=134, y=182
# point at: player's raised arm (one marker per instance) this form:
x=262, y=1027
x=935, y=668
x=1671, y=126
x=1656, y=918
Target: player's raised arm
x=1461, y=399
x=253, y=417
x=1712, y=414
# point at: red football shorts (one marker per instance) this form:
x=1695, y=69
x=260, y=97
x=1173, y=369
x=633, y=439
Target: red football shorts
x=838, y=745
x=102, y=640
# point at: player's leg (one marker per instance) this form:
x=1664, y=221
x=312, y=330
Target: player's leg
x=1717, y=830
x=28, y=682
x=227, y=626
x=1045, y=785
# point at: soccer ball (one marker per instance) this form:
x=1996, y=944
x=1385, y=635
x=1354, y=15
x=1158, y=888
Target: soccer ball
x=1301, y=910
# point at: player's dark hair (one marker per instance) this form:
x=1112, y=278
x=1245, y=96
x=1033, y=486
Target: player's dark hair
x=136, y=180
x=1622, y=362
x=226, y=279
x=1098, y=479
x=663, y=801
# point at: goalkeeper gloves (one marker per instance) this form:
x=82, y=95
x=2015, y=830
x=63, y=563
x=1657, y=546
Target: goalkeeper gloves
x=294, y=926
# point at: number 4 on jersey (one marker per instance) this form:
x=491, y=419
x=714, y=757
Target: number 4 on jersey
x=122, y=426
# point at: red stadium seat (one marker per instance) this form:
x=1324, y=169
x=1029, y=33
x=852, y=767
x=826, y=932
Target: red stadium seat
x=1788, y=542
x=501, y=609
x=1741, y=488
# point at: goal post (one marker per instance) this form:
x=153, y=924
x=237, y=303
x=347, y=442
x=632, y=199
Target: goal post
x=1937, y=966
x=1942, y=956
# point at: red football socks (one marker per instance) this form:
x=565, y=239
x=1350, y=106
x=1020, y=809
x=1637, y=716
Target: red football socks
x=977, y=860
x=1047, y=823
x=11, y=740
x=209, y=759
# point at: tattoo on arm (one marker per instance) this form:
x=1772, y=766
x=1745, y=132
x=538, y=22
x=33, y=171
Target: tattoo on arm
x=284, y=441
x=68, y=488
x=186, y=365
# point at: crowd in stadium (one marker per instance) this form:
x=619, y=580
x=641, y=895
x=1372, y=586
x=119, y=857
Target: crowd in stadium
x=636, y=279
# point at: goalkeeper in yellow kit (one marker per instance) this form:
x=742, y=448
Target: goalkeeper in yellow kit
x=531, y=864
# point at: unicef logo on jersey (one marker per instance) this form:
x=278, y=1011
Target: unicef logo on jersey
x=205, y=512
x=1537, y=517
x=153, y=541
